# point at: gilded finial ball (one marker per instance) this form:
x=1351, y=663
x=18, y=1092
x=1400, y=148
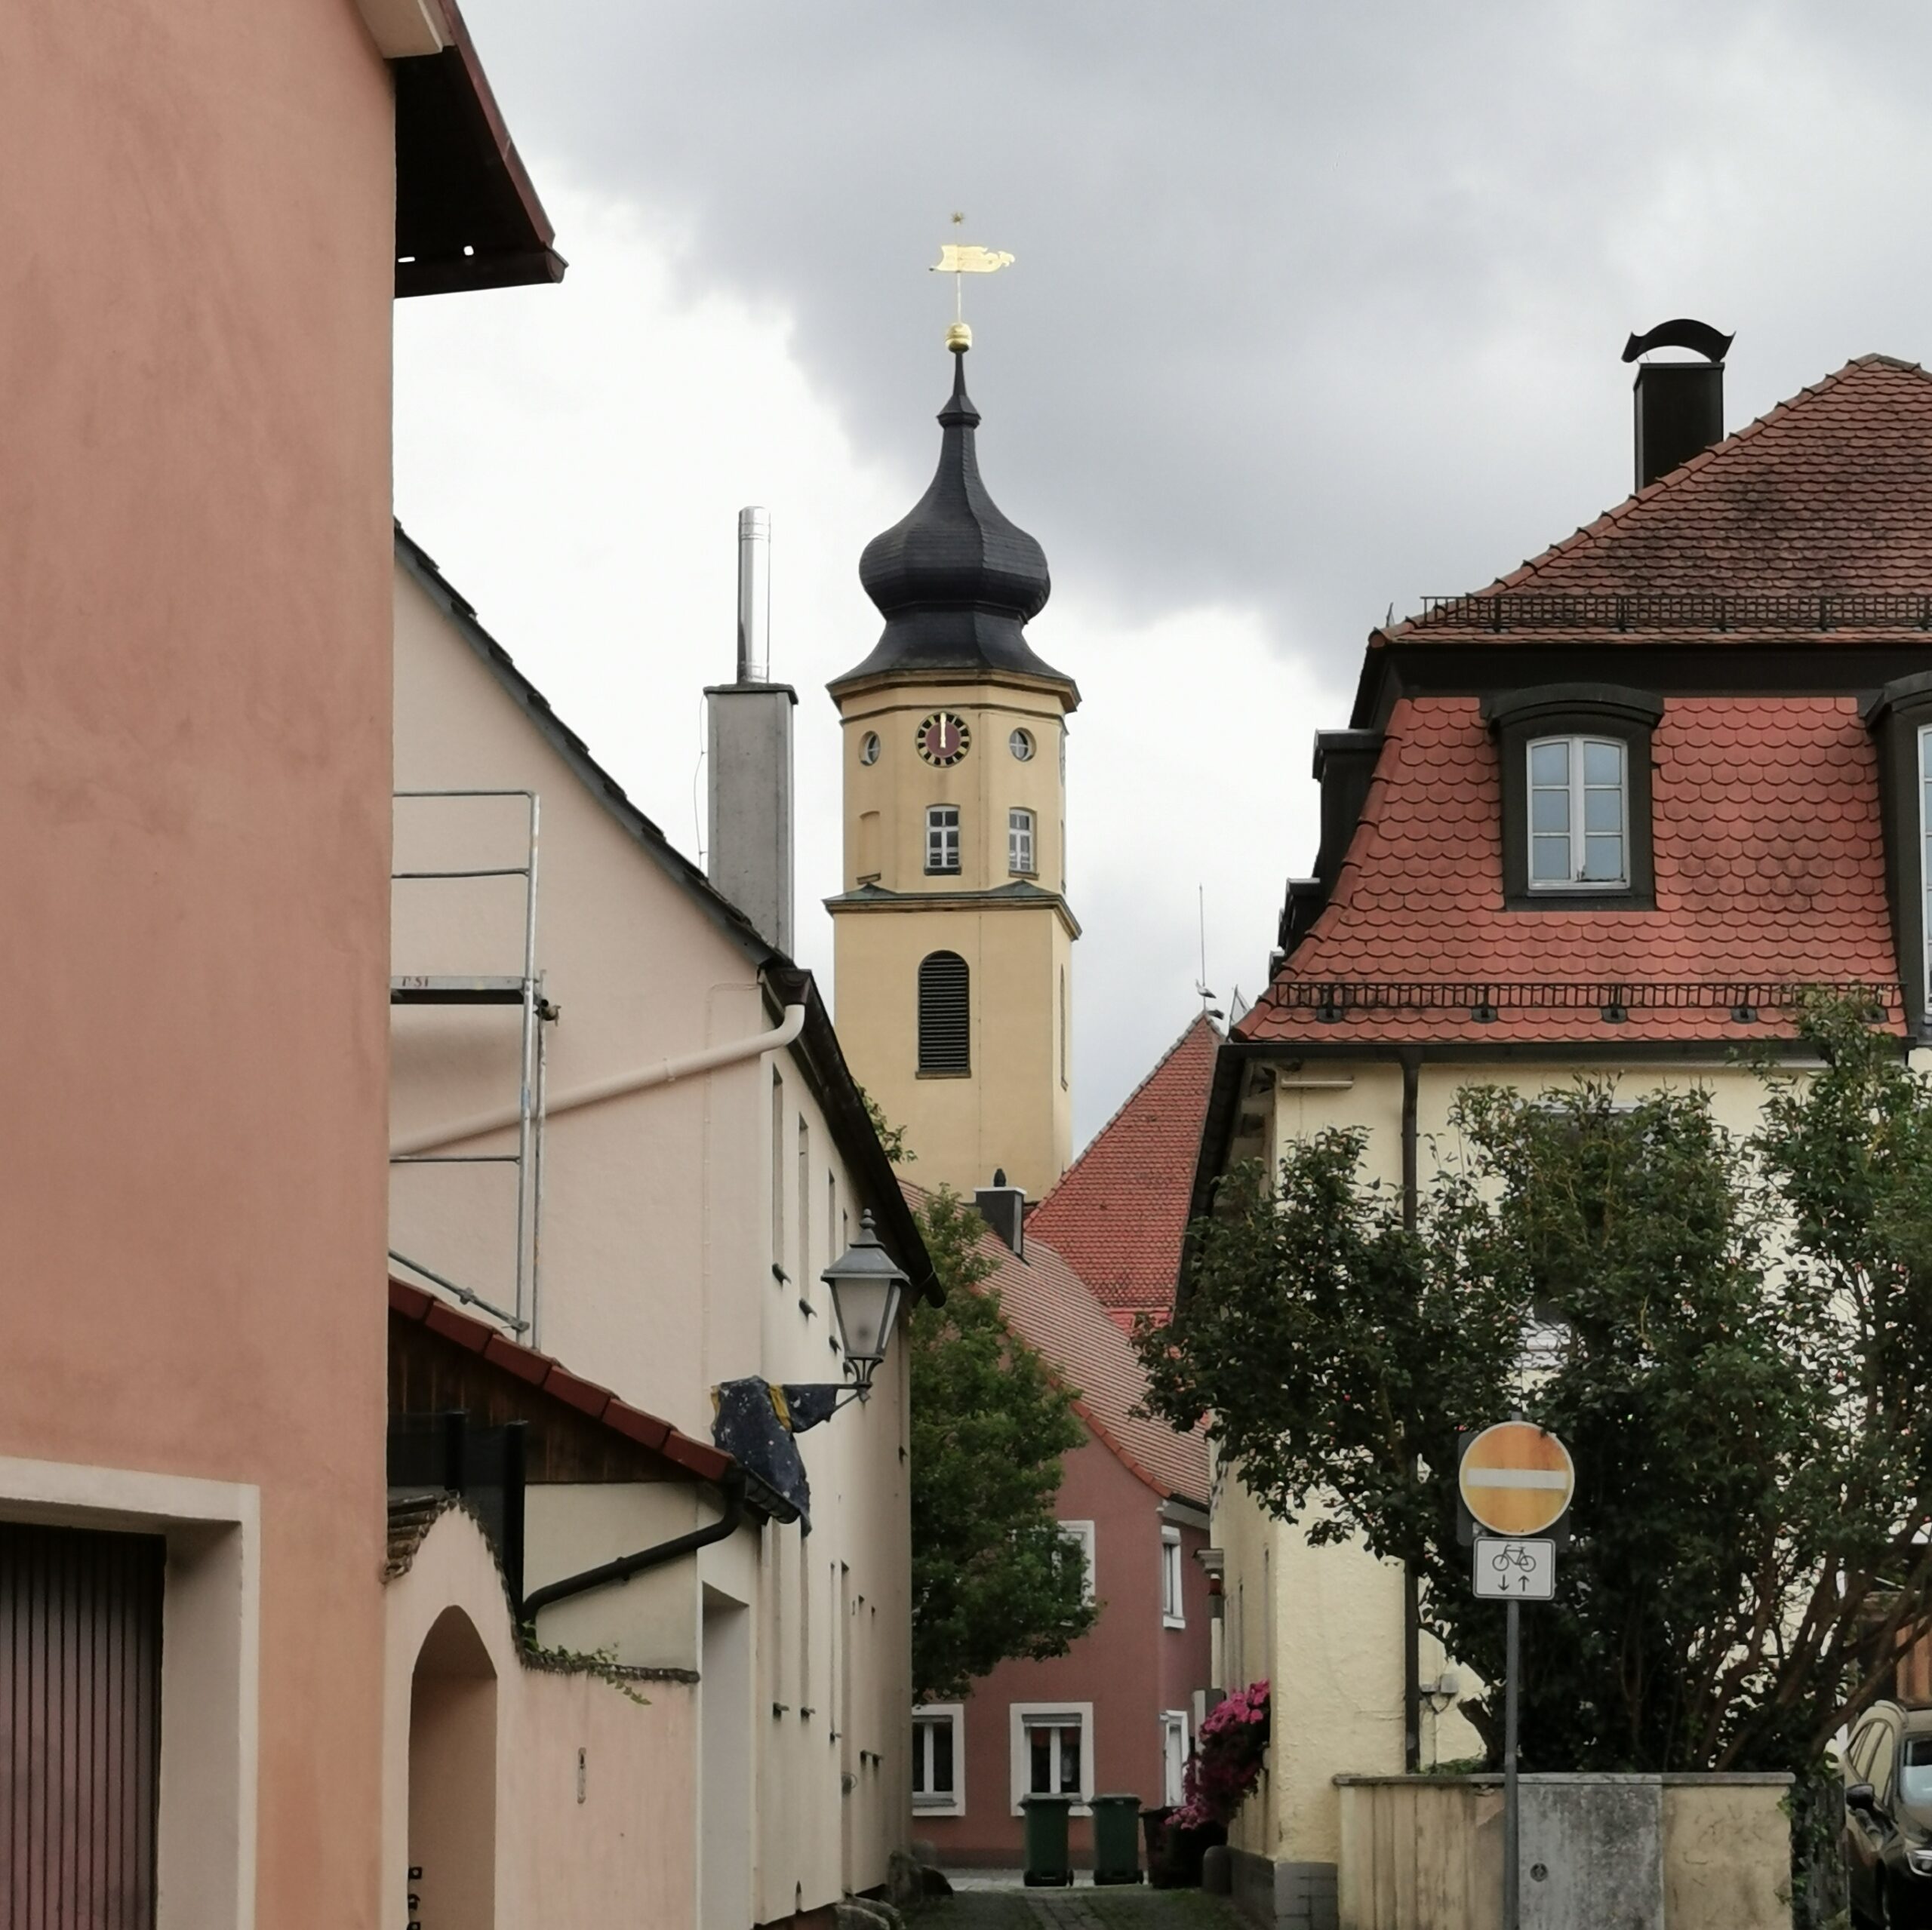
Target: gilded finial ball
x=959, y=337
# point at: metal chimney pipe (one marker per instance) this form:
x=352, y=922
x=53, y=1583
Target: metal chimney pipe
x=754, y=596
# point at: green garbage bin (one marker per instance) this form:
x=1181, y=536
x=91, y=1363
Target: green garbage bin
x=1048, y=1862
x=1116, y=1839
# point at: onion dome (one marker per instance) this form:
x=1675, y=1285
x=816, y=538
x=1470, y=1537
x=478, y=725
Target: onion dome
x=955, y=580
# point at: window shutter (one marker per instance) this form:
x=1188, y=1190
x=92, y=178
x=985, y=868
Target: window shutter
x=945, y=1009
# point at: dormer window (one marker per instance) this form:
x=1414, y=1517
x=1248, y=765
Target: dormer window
x=1579, y=815
x=1575, y=764
x=1900, y=717
x=1925, y=845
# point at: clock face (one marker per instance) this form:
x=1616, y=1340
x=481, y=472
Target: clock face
x=943, y=739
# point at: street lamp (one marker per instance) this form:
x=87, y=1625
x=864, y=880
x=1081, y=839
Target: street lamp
x=867, y=1289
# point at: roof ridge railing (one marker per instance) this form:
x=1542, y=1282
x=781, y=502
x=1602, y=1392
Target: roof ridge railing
x=1332, y=998
x=1673, y=610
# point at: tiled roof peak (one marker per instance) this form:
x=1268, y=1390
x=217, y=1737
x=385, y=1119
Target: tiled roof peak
x=1828, y=493
x=1119, y=1212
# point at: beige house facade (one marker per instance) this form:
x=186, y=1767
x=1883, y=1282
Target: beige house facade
x=1606, y=817
x=703, y=1157
x=953, y=935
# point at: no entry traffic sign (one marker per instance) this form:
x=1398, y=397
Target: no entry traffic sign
x=1516, y=1480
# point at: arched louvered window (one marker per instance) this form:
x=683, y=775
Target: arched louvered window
x=945, y=1014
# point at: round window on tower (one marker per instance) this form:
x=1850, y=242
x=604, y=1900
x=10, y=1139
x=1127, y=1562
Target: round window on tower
x=869, y=748
x=1021, y=745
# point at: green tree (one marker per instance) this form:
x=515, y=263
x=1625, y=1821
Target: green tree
x=1734, y=1337
x=992, y=1576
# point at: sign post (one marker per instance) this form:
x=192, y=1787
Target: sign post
x=1516, y=1482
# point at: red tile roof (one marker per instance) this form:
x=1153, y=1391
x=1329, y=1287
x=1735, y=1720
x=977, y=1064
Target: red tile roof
x=1770, y=873
x=538, y=1370
x=1830, y=493
x=1118, y=1213
x=1048, y=1306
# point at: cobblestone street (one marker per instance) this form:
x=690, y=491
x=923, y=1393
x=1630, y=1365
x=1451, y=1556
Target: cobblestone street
x=1084, y=1907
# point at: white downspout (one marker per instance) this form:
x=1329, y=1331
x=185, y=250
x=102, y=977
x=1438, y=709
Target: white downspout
x=662, y=1072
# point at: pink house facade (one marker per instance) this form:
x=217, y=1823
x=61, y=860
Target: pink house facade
x=214, y=204
x=1117, y=1713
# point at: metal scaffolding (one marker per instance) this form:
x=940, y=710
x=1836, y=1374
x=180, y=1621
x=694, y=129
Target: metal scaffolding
x=526, y=991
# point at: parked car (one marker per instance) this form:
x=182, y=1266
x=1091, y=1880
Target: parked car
x=1888, y=1817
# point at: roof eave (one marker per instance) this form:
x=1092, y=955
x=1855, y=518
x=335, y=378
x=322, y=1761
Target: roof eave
x=467, y=213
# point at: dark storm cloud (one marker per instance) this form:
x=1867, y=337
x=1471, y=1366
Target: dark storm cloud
x=1318, y=307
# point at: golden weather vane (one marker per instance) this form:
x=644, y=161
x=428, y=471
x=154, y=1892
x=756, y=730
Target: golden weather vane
x=960, y=260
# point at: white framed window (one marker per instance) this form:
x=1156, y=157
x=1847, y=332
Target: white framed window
x=1020, y=842
x=1925, y=842
x=1021, y=745
x=942, y=838
x=1579, y=814
x=1080, y=1534
x=1174, y=1604
x=939, y=1759
x=1173, y=1756
x=1053, y=1752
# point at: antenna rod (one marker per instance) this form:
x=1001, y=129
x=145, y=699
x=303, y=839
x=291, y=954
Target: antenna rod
x=1201, y=905
x=754, y=596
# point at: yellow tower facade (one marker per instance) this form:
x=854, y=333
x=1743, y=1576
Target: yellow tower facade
x=953, y=935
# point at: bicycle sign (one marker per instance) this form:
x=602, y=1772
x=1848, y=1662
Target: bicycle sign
x=1515, y=1571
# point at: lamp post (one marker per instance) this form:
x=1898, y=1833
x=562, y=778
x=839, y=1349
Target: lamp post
x=866, y=1289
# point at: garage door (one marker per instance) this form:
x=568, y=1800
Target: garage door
x=80, y=1727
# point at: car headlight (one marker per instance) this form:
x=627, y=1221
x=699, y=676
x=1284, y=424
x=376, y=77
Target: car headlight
x=1920, y=1860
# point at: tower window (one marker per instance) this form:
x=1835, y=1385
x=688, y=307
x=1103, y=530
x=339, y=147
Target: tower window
x=945, y=1014
x=869, y=748
x=1021, y=745
x=1019, y=843
x=942, y=838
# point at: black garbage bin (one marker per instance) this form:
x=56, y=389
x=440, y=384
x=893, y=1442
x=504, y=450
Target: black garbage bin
x=1047, y=1863
x=1116, y=1854
x=1154, y=1828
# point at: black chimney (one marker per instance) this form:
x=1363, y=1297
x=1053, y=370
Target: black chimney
x=1004, y=1208
x=1680, y=405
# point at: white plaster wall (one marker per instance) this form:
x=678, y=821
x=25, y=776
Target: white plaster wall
x=658, y=1243
x=650, y=1621
x=625, y=1853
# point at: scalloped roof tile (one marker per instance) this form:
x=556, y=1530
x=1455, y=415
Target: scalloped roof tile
x=1769, y=858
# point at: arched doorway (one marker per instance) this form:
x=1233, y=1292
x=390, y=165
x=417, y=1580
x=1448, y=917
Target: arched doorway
x=453, y=1780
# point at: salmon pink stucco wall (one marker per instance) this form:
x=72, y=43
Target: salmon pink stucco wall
x=1130, y=1667
x=196, y=256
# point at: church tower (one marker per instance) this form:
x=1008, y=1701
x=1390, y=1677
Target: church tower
x=953, y=937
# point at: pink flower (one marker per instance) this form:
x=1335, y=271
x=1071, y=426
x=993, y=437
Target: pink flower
x=1227, y=1758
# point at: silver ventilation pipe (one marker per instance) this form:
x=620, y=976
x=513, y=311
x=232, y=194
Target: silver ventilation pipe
x=754, y=596
x=748, y=734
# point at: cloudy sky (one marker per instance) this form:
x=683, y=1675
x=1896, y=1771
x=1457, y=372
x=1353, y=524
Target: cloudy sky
x=1317, y=310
